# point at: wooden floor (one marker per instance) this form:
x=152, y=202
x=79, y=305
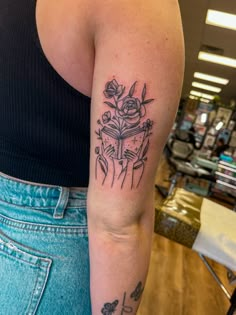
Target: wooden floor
x=178, y=282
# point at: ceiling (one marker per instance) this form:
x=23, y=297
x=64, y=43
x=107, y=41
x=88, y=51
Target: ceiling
x=197, y=33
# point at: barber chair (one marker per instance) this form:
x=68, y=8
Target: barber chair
x=179, y=155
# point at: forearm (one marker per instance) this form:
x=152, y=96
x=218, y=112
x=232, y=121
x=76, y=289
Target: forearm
x=119, y=265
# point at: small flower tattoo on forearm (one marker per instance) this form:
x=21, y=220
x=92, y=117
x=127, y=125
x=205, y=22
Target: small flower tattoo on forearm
x=123, y=132
x=109, y=308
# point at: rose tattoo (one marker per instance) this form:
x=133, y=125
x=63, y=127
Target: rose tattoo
x=113, y=89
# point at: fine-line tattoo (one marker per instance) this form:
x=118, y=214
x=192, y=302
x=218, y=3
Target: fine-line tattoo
x=125, y=308
x=124, y=136
x=137, y=292
x=111, y=308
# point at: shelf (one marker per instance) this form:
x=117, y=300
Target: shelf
x=228, y=166
x=226, y=184
x=226, y=176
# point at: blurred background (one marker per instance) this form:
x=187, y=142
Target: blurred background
x=198, y=167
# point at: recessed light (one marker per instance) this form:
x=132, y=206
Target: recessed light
x=204, y=117
x=221, y=19
x=193, y=97
x=219, y=125
x=204, y=100
x=206, y=87
x=211, y=78
x=203, y=95
x=230, y=62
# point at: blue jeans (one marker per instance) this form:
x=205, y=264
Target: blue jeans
x=44, y=260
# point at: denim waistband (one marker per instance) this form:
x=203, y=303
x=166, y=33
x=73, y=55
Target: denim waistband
x=23, y=193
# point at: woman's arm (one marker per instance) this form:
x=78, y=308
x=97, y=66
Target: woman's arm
x=136, y=88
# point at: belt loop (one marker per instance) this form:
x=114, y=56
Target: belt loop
x=62, y=203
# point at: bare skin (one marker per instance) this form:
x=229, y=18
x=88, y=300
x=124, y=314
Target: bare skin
x=65, y=41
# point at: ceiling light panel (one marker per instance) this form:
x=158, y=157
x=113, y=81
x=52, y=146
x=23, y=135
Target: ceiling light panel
x=193, y=97
x=225, y=61
x=203, y=95
x=221, y=19
x=204, y=100
x=206, y=87
x=211, y=78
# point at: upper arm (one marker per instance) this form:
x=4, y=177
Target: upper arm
x=136, y=88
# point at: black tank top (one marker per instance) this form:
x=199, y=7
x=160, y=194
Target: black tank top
x=44, y=122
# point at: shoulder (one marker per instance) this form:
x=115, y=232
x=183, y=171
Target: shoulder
x=122, y=14
x=152, y=25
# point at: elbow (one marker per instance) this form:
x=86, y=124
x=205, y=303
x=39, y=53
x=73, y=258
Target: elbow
x=120, y=227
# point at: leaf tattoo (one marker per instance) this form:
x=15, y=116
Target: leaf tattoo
x=144, y=92
x=131, y=91
x=137, y=292
x=110, y=104
x=148, y=101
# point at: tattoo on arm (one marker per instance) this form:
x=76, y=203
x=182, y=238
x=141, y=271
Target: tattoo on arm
x=124, y=134
x=137, y=292
x=111, y=308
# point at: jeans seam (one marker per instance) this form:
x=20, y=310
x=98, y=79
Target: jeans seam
x=25, y=206
x=34, y=303
x=68, y=230
x=5, y=251
x=79, y=207
x=17, y=258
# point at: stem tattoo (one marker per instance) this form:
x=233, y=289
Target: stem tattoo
x=124, y=135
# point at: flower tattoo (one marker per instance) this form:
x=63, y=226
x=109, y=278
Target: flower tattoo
x=131, y=110
x=113, y=89
x=124, y=136
x=109, y=308
x=106, y=117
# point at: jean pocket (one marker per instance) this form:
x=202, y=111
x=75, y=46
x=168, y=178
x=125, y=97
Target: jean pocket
x=23, y=278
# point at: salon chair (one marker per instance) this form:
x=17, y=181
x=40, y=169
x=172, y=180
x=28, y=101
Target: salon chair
x=179, y=154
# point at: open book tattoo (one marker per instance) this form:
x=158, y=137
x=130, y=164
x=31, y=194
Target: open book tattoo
x=124, y=136
x=113, y=308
